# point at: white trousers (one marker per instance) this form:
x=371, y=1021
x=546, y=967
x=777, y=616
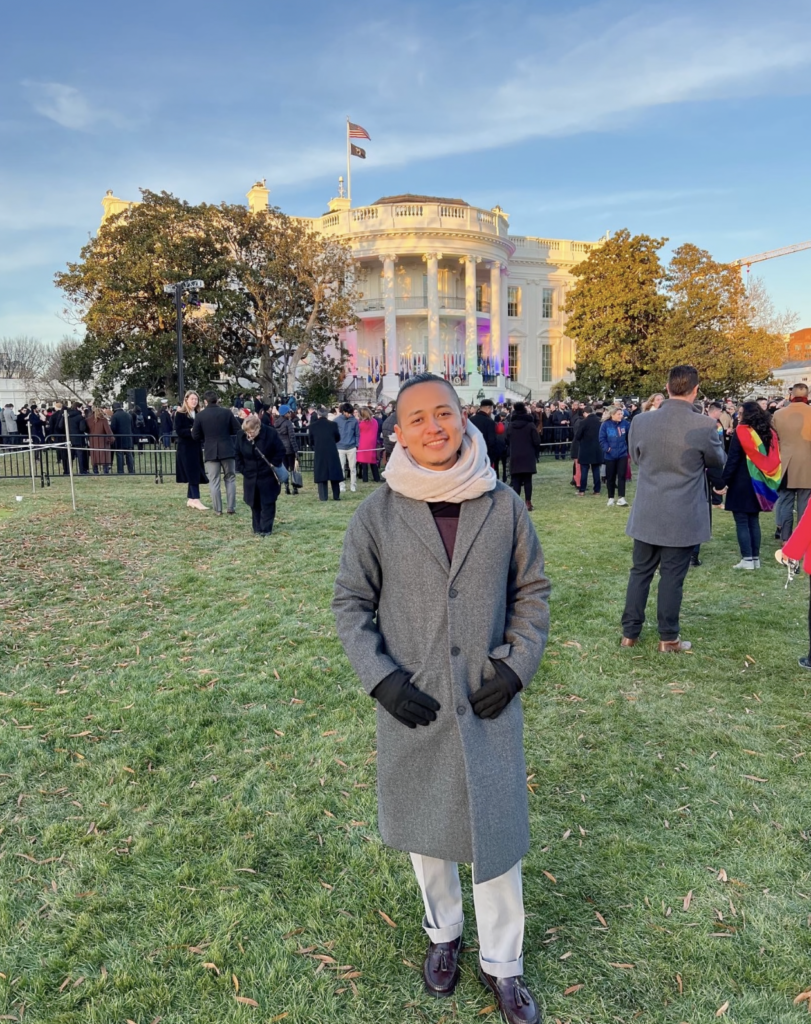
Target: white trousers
x=349, y=457
x=499, y=906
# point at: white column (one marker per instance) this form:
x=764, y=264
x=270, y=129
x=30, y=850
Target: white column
x=434, y=355
x=495, y=315
x=391, y=381
x=474, y=378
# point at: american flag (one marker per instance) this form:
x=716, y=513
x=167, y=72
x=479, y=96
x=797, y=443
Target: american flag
x=356, y=132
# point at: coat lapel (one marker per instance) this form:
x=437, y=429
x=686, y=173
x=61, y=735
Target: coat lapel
x=417, y=517
x=471, y=520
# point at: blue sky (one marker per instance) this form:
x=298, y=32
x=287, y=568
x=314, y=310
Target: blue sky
x=689, y=120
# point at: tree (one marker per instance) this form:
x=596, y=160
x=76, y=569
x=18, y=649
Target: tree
x=116, y=291
x=294, y=290
x=320, y=383
x=23, y=358
x=717, y=326
x=616, y=313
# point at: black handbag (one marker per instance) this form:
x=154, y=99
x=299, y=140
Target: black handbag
x=295, y=476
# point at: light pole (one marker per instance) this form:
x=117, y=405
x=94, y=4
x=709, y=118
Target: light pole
x=178, y=289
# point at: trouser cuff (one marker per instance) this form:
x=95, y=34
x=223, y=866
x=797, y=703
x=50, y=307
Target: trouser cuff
x=509, y=970
x=448, y=934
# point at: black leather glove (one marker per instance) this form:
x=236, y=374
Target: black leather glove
x=404, y=701
x=492, y=697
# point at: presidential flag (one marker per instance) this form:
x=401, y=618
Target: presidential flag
x=356, y=132
x=357, y=151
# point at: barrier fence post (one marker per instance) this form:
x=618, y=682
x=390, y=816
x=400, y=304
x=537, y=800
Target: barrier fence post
x=31, y=459
x=69, y=453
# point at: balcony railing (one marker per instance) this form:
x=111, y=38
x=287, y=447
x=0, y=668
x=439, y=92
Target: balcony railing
x=369, y=305
x=410, y=302
x=416, y=302
x=424, y=216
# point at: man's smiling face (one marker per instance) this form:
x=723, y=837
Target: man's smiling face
x=430, y=424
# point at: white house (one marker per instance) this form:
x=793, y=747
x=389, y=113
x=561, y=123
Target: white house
x=445, y=287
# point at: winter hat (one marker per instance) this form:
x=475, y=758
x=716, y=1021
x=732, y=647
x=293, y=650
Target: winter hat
x=284, y=410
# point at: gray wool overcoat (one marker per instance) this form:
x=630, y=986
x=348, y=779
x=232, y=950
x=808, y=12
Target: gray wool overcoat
x=455, y=789
x=673, y=447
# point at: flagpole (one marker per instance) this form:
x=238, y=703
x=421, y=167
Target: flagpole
x=348, y=166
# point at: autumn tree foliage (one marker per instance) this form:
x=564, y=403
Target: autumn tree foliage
x=633, y=318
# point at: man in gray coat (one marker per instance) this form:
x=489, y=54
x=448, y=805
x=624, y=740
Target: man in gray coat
x=673, y=447
x=441, y=605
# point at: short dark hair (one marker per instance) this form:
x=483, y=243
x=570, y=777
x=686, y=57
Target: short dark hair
x=426, y=378
x=348, y=407
x=520, y=408
x=716, y=405
x=486, y=402
x=682, y=380
x=211, y=397
x=588, y=408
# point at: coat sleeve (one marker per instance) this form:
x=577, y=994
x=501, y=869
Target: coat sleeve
x=197, y=430
x=733, y=460
x=527, y=623
x=277, y=452
x=714, y=454
x=605, y=444
x=535, y=438
x=355, y=603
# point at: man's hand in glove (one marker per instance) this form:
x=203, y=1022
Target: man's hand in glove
x=492, y=697
x=404, y=701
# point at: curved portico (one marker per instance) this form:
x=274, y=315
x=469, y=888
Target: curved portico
x=431, y=278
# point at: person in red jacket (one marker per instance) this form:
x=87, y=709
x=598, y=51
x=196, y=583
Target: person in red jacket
x=798, y=548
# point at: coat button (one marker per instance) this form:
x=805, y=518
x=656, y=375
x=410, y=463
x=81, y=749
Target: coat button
x=455, y=651
x=452, y=592
x=461, y=709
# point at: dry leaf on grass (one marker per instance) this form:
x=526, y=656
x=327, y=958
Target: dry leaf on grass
x=213, y=967
x=387, y=919
x=722, y=1009
x=722, y=876
x=680, y=984
x=550, y=876
x=802, y=998
x=754, y=778
x=687, y=900
x=570, y=991
x=279, y=1016
x=487, y=1009
x=625, y=967
x=600, y=918
x=247, y=1001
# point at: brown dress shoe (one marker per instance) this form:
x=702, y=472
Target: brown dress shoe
x=629, y=641
x=674, y=646
x=441, y=967
x=514, y=999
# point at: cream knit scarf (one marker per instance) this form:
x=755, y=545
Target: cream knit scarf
x=471, y=477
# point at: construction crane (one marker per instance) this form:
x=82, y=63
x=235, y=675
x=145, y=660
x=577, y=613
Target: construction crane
x=747, y=261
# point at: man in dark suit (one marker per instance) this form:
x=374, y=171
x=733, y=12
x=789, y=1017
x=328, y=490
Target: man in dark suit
x=218, y=429
x=673, y=447
x=121, y=426
x=483, y=419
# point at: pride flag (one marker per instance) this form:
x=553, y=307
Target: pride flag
x=764, y=467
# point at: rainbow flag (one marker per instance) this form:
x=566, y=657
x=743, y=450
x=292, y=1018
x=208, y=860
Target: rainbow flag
x=764, y=467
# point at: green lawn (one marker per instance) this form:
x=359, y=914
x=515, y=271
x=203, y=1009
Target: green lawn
x=187, y=787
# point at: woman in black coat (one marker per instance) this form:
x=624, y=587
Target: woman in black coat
x=589, y=453
x=324, y=436
x=260, y=484
x=189, y=467
x=524, y=446
x=741, y=500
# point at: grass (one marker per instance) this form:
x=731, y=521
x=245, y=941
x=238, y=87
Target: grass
x=187, y=794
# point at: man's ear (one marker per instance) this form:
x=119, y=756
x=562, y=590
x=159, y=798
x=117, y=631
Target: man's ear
x=399, y=435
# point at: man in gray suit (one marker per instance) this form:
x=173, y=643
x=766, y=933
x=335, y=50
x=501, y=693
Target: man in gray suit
x=673, y=447
x=445, y=658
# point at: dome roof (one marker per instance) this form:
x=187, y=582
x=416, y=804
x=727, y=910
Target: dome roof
x=408, y=198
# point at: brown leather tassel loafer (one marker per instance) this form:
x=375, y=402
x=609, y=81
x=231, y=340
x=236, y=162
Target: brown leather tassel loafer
x=514, y=999
x=441, y=967
x=674, y=646
x=629, y=641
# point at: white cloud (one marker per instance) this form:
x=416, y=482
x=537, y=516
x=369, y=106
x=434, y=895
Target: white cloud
x=67, y=106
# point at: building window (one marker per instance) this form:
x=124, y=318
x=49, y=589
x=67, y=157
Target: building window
x=513, y=368
x=478, y=298
x=546, y=362
x=513, y=301
x=548, y=303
